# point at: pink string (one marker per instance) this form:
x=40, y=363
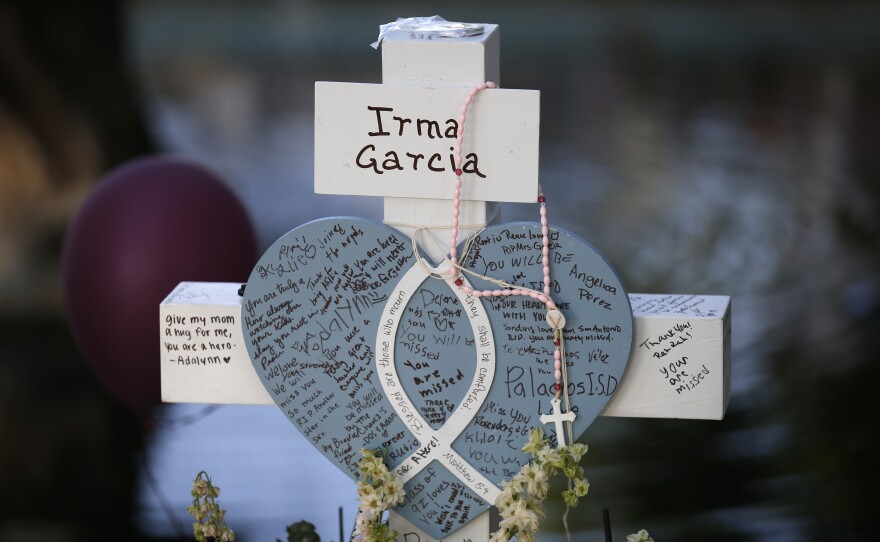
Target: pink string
x=545, y=238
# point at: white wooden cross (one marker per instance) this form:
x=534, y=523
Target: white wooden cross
x=204, y=359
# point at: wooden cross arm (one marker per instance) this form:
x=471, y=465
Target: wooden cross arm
x=204, y=360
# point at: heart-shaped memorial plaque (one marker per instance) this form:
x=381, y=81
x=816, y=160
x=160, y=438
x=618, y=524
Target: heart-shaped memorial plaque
x=361, y=346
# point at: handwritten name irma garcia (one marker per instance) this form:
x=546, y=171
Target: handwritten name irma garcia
x=390, y=125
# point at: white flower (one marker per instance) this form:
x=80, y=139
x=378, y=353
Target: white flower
x=521, y=518
x=641, y=536
x=196, y=513
x=535, y=442
x=200, y=488
x=518, y=482
x=209, y=529
x=506, y=498
x=371, y=502
x=520, y=501
x=509, y=523
x=577, y=451
x=393, y=493
x=549, y=456
x=537, y=481
x=361, y=526
x=372, y=467
x=536, y=506
x=364, y=489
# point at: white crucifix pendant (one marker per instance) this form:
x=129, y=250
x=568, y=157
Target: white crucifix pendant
x=557, y=418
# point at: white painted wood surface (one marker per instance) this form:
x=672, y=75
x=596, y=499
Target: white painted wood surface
x=201, y=369
x=224, y=375
x=443, y=62
x=680, y=362
x=398, y=141
x=426, y=61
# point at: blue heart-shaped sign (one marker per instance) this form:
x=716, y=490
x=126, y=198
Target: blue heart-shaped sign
x=362, y=346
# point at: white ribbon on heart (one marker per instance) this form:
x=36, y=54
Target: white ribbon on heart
x=437, y=444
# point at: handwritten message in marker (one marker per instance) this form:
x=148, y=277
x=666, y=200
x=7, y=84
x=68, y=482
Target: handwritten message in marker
x=384, y=140
x=362, y=347
x=198, y=340
x=598, y=337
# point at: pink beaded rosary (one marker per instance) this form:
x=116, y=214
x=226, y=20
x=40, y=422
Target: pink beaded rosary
x=554, y=316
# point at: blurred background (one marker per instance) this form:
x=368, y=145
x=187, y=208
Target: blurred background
x=719, y=148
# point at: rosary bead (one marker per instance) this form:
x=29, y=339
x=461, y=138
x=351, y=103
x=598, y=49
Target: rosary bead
x=555, y=319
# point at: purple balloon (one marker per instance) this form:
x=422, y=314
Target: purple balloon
x=147, y=226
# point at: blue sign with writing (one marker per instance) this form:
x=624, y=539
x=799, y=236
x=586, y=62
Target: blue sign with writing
x=363, y=345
